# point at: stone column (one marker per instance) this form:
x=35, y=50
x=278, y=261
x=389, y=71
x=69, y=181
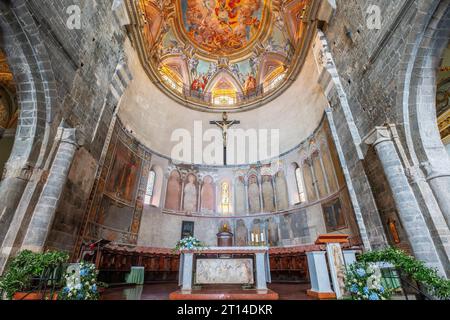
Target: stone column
x=438, y=176
x=407, y=206
x=44, y=213
x=187, y=270
x=261, y=279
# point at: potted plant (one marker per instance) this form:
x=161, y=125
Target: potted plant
x=29, y=272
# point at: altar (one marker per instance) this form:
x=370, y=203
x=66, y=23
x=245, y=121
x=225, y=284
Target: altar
x=209, y=273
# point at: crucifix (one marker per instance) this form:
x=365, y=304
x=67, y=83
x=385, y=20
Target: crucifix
x=225, y=125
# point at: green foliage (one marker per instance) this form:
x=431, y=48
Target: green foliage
x=26, y=266
x=414, y=268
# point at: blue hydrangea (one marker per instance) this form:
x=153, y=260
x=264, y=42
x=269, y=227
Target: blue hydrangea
x=354, y=289
x=366, y=290
x=382, y=289
x=94, y=288
x=361, y=272
x=66, y=290
x=83, y=272
x=374, y=297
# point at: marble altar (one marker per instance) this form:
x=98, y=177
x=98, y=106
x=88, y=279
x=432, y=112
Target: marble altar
x=243, y=266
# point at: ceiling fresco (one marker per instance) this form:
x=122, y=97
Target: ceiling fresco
x=222, y=26
x=221, y=54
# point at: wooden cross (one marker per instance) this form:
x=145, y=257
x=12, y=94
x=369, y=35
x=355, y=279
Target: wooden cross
x=225, y=125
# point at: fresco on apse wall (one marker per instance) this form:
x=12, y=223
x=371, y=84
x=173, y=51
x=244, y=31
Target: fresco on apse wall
x=173, y=195
x=253, y=194
x=222, y=26
x=190, y=194
x=272, y=232
x=334, y=216
x=281, y=190
x=246, y=72
x=241, y=203
x=241, y=234
x=116, y=216
x=115, y=207
x=268, y=194
x=208, y=195
x=201, y=72
x=294, y=225
x=124, y=175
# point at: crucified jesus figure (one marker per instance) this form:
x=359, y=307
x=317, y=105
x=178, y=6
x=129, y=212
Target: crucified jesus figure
x=225, y=125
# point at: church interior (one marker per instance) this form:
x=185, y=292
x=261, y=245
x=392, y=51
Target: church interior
x=225, y=149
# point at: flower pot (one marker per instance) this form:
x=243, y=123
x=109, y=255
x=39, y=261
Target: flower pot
x=33, y=296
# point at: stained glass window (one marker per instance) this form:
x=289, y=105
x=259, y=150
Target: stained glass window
x=150, y=187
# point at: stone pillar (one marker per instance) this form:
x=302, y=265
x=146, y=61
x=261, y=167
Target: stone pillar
x=187, y=269
x=320, y=279
x=261, y=279
x=44, y=213
x=407, y=206
x=247, y=202
x=439, y=180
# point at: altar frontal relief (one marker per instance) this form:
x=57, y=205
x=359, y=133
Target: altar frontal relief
x=224, y=271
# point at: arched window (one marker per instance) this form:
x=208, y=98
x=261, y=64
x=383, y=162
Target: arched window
x=300, y=185
x=150, y=187
x=225, y=195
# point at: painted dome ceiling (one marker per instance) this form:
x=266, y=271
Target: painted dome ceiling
x=221, y=54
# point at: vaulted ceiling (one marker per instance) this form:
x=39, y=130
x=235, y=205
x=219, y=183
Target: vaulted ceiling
x=221, y=54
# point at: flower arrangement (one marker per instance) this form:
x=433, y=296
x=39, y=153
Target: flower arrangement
x=189, y=243
x=363, y=281
x=81, y=283
x=436, y=285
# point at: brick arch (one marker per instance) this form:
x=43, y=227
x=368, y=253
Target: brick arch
x=417, y=97
x=36, y=94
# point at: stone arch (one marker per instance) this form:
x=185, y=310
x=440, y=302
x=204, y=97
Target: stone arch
x=37, y=101
x=173, y=194
x=417, y=98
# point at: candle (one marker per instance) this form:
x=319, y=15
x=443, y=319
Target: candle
x=253, y=237
x=257, y=239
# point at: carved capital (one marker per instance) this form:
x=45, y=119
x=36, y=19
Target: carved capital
x=433, y=172
x=378, y=135
x=71, y=136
